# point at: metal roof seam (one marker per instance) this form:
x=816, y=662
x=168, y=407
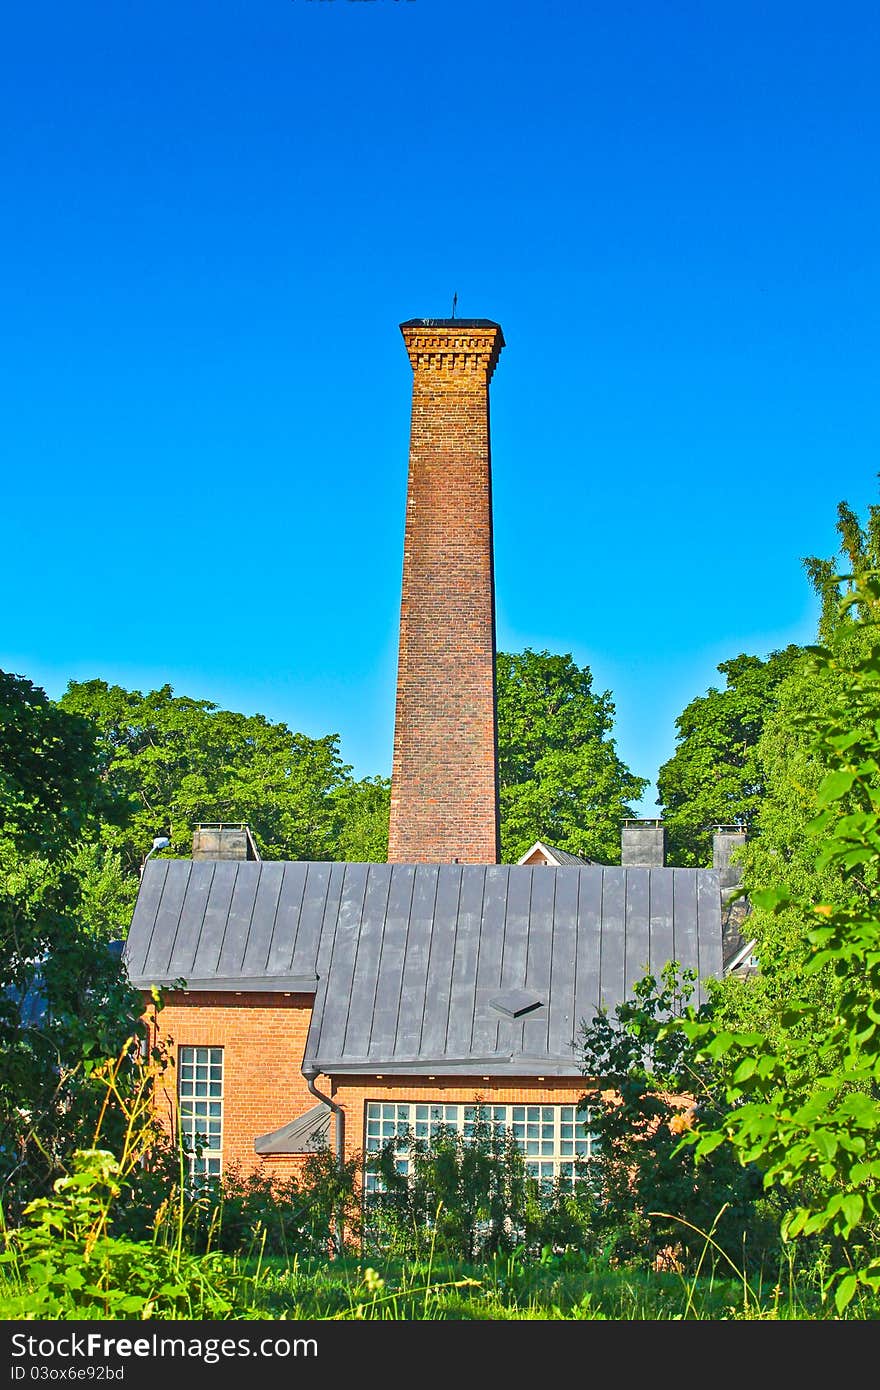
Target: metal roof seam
x=412, y=888
x=325, y=901
x=550, y=965
x=299, y=914
x=228, y=915
x=325, y=953
x=164, y=872
x=479, y=950
x=574, y=992
x=232, y=869
x=250, y=925
x=324, y=946
x=180, y=914
x=270, y=935
x=521, y=1023
x=428, y=958
x=673, y=954
x=696, y=885
x=623, y=933
x=452, y=961
x=601, y=917
x=356, y=954
x=389, y=879
x=202, y=922
x=650, y=918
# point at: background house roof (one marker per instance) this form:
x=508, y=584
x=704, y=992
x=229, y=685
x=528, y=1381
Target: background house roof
x=427, y=968
x=551, y=854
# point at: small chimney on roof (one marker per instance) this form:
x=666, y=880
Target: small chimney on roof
x=643, y=844
x=219, y=840
x=734, y=910
x=725, y=839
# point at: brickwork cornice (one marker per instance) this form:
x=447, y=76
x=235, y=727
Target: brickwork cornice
x=453, y=349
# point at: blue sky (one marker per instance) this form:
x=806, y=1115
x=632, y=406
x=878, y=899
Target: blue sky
x=213, y=218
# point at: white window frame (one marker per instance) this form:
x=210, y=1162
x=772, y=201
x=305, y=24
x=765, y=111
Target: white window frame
x=553, y=1137
x=200, y=1109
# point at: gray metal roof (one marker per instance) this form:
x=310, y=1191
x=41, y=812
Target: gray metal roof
x=228, y=924
x=427, y=968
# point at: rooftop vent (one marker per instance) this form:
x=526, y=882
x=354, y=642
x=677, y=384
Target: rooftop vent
x=513, y=1003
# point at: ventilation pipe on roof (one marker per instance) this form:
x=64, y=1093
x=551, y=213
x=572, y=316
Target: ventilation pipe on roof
x=340, y=1146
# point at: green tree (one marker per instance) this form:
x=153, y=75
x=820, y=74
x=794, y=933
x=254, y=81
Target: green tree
x=49, y=789
x=805, y=1097
x=560, y=778
x=169, y=762
x=716, y=774
x=362, y=810
x=646, y=1087
x=63, y=1002
x=780, y=853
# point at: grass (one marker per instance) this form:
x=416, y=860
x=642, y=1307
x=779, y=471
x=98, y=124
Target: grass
x=65, y=1263
x=567, y=1287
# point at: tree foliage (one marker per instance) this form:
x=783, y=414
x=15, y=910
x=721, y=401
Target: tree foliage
x=63, y=1003
x=49, y=789
x=805, y=1099
x=361, y=811
x=560, y=777
x=781, y=852
x=170, y=761
x=716, y=775
x=646, y=1087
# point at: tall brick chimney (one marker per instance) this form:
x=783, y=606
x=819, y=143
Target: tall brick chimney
x=444, y=777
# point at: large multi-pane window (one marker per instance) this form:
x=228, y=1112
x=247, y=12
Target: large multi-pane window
x=200, y=1097
x=554, y=1139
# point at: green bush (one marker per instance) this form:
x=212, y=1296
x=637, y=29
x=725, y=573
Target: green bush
x=61, y=1262
x=294, y=1217
x=469, y=1197
x=803, y=1104
x=655, y=1205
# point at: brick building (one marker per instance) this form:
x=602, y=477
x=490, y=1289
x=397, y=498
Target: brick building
x=313, y=1001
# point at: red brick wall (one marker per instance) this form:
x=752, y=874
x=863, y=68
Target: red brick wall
x=444, y=781
x=263, y=1037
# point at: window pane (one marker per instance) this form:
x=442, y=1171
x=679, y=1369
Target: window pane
x=549, y=1136
x=201, y=1119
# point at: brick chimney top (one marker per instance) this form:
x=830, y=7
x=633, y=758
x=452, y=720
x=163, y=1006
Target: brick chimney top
x=452, y=323
x=453, y=350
